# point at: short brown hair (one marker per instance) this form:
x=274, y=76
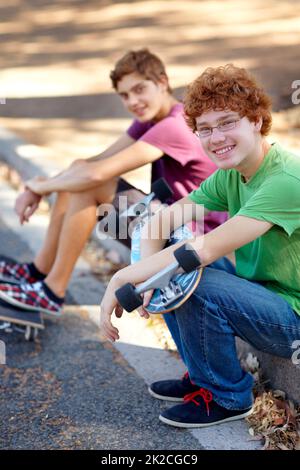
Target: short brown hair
x=141, y=61
x=227, y=87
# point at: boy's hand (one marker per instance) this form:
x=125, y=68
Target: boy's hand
x=146, y=299
x=26, y=204
x=108, y=305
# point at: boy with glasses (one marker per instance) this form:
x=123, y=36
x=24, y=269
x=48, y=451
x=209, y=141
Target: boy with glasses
x=158, y=135
x=259, y=300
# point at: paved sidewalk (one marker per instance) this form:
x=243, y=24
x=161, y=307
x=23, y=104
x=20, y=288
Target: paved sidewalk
x=70, y=390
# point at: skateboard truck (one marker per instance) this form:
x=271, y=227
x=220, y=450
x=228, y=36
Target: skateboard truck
x=171, y=292
x=159, y=190
x=30, y=333
x=129, y=296
x=22, y=321
x=6, y=326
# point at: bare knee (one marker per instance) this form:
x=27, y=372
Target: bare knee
x=105, y=193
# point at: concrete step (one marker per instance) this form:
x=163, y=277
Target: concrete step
x=282, y=374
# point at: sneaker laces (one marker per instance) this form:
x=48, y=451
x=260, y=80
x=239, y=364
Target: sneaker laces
x=203, y=393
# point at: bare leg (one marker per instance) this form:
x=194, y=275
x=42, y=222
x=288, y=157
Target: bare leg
x=78, y=223
x=45, y=258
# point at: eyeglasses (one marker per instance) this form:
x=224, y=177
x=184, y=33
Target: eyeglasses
x=222, y=127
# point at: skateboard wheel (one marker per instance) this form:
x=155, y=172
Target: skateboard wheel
x=187, y=258
x=161, y=189
x=128, y=298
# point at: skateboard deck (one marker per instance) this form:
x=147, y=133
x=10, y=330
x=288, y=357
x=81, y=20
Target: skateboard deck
x=29, y=321
x=181, y=286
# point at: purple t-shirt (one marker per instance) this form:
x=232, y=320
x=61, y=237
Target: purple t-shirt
x=184, y=164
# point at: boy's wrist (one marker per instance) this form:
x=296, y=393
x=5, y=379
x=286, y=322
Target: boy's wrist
x=26, y=188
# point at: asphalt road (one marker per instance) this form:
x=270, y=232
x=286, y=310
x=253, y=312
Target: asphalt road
x=70, y=390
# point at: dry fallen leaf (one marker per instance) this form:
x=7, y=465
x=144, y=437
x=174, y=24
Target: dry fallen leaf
x=276, y=421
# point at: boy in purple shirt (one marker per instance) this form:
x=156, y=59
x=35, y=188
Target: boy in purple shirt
x=159, y=135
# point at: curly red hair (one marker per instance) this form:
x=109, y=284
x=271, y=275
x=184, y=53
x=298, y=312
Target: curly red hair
x=227, y=87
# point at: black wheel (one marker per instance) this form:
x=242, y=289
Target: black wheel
x=161, y=189
x=187, y=258
x=128, y=298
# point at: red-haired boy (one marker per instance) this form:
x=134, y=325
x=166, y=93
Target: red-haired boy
x=259, y=300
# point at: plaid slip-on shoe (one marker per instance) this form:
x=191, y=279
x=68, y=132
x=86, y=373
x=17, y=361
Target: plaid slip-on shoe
x=31, y=297
x=15, y=273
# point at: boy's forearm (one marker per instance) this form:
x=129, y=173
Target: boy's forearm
x=68, y=182
x=74, y=179
x=231, y=235
x=120, y=144
x=146, y=268
x=158, y=229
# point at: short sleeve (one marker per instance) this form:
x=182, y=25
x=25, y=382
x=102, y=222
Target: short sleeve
x=212, y=192
x=137, y=129
x=277, y=202
x=173, y=137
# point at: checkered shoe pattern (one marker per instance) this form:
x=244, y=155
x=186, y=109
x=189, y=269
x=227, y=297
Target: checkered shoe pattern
x=15, y=272
x=30, y=297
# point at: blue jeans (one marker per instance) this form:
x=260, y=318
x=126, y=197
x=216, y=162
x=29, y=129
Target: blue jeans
x=224, y=306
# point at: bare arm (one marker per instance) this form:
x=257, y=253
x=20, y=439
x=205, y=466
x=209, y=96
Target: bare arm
x=120, y=144
x=228, y=237
x=236, y=232
x=91, y=174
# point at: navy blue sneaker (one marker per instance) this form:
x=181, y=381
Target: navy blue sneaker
x=200, y=410
x=173, y=390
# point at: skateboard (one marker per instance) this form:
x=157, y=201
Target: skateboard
x=111, y=223
x=171, y=289
x=23, y=321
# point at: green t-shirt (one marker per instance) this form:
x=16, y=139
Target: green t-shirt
x=273, y=195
